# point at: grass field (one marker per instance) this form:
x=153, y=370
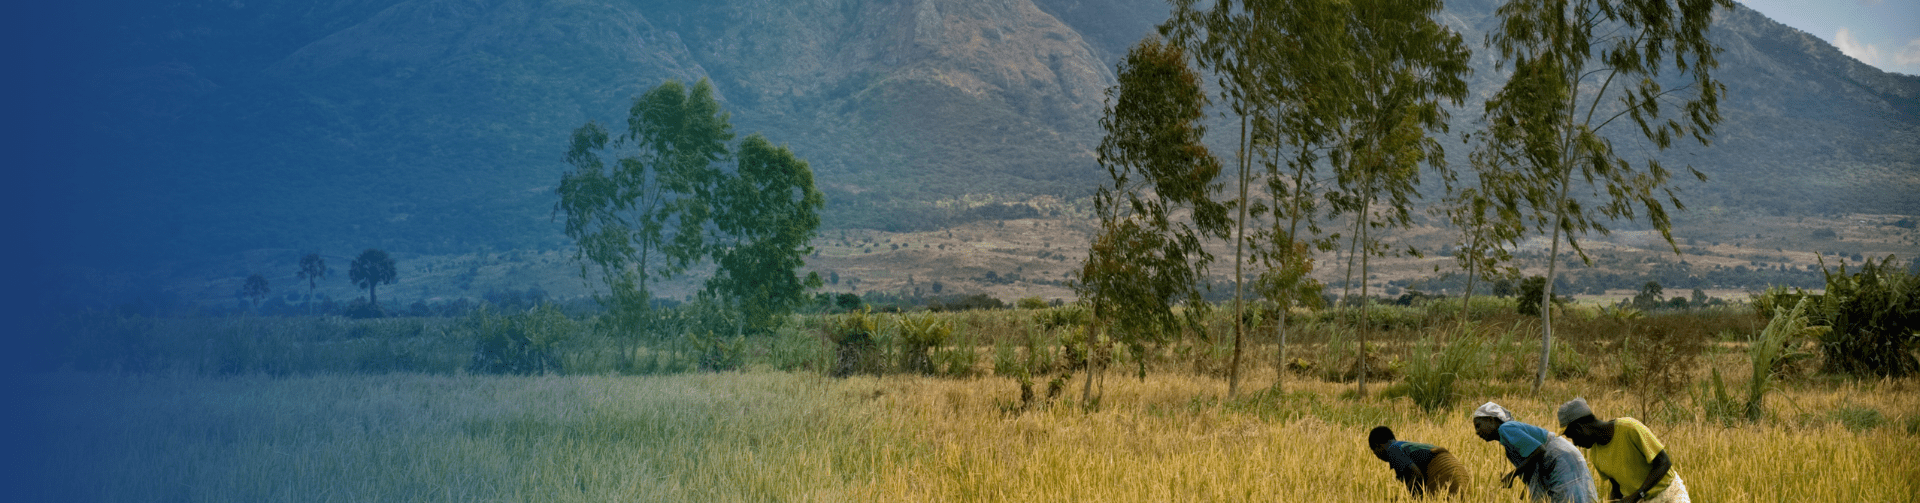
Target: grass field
x=762, y=435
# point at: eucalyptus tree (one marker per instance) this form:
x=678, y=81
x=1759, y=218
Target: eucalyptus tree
x=1490, y=224
x=1579, y=67
x=1156, y=207
x=1401, y=64
x=766, y=214
x=638, y=205
x=1270, y=58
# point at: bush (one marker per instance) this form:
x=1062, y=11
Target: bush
x=1530, y=291
x=1435, y=369
x=523, y=344
x=720, y=353
x=855, y=349
x=795, y=350
x=1874, y=314
x=919, y=334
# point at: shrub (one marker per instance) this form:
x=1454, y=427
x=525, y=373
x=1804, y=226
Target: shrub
x=919, y=334
x=1874, y=315
x=1773, y=349
x=1530, y=291
x=1435, y=369
x=1656, y=363
x=720, y=353
x=525, y=343
x=793, y=350
x=1859, y=418
x=855, y=349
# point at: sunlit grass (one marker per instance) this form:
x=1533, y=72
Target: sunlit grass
x=763, y=436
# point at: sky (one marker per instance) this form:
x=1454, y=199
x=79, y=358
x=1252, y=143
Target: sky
x=1882, y=33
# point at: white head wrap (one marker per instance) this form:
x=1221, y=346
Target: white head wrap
x=1573, y=410
x=1493, y=410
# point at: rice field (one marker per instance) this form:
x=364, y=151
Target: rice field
x=762, y=435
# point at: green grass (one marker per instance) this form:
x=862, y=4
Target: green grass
x=700, y=437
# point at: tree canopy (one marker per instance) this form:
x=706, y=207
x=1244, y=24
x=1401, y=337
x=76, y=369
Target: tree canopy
x=370, y=270
x=1578, y=67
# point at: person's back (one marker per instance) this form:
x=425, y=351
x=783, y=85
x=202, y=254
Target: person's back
x=1626, y=453
x=1423, y=468
x=1552, y=469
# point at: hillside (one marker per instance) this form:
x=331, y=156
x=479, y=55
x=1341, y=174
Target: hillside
x=434, y=127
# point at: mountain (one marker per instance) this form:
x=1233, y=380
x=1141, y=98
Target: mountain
x=437, y=126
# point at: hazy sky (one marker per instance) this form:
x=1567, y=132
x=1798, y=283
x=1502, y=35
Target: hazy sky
x=1882, y=33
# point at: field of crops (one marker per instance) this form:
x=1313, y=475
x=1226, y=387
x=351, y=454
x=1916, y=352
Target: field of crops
x=781, y=436
x=967, y=406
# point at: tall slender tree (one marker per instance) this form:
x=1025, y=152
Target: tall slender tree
x=1157, y=206
x=1271, y=58
x=638, y=205
x=1578, y=67
x=312, y=269
x=1403, y=63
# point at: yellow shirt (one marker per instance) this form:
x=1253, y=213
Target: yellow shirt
x=1628, y=458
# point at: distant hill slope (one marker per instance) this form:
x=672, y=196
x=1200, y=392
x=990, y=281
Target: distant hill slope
x=436, y=126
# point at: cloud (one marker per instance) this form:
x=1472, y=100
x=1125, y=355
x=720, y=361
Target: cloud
x=1909, y=55
x=1850, y=46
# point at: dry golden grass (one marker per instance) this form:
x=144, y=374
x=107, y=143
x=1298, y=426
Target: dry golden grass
x=763, y=436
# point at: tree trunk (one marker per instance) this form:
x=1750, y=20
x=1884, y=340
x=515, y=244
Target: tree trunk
x=1466, y=299
x=1366, y=303
x=1239, y=274
x=1546, y=292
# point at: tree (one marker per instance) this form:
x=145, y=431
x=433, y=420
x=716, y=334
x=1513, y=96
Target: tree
x=370, y=270
x=1547, y=127
x=1649, y=297
x=1145, y=257
x=1487, y=229
x=255, y=289
x=637, y=206
x=1267, y=55
x=312, y=268
x=1402, y=63
x=765, y=215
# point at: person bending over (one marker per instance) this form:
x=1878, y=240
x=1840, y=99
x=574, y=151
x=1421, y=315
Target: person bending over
x=1424, y=468
x=1551, y=467
x=1626, y=453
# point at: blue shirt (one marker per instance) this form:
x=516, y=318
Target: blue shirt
x=1521, y=439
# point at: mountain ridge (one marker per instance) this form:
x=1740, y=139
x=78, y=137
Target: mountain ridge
x=436, y=125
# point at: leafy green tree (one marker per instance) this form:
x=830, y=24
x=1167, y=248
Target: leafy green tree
x=765, y=217
x=255, y=289
x=1146, y=257
x=1577, y=68
x=1487, y=230
x=638, y=205
x=312, y=269
x=370, y=270
x=1649, y=297
x=1402, y=64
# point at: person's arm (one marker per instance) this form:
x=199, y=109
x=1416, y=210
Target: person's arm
x=1404, y=469
x=1654, y=474
x=1526, y=465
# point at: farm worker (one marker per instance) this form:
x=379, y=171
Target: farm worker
x=1626, y=453
x=1552, y=469
x=1422, y=467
